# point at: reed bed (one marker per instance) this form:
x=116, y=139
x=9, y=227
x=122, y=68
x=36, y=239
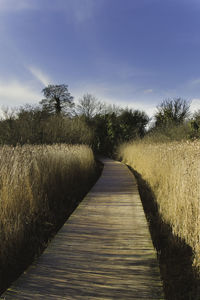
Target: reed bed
x=172, y=170
x=39, y=187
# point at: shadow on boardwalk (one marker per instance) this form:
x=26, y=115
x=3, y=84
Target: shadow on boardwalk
x=103, y=251
x=175, y=256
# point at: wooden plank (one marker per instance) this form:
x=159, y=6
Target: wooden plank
x=104, y=250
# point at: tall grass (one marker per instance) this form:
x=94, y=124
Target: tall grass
x=173, y=172
x=39, y=187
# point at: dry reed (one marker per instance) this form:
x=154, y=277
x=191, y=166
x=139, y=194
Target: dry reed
x=173, y=172
x=38, y=187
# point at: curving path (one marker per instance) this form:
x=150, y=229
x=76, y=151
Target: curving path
x=103, y=251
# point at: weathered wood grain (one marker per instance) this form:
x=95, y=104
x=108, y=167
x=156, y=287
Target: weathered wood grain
x=104, y=250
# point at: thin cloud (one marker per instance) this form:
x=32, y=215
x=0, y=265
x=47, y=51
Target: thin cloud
x=39, y=75
x=195, y=81
x=104, y=92
x=83, y=10
x=80, y=10
x=148, y=108
x=148, y=91
x=16, y=93
x=13, y=5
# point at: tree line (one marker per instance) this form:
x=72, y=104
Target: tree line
x=57, y=119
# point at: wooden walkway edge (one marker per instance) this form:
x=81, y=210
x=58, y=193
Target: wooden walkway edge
x=103, y=251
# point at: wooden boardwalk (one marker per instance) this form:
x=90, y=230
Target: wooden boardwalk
x=104, y=250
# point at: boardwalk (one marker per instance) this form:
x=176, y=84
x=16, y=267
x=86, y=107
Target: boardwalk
x=104, y=250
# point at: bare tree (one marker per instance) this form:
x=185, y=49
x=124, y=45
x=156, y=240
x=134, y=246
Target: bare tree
x=89, y=106
x=7, y=113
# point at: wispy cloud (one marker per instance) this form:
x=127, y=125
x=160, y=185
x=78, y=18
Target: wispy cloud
x=148, y=91
x=123, y=95
x=15, y=93
x=195, y=81
x=123, y=70
x=39, y=75
x=13, y=5
x=148, y=108
x=82, y=10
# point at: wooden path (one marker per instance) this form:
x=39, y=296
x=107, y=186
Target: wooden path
x=104, y=250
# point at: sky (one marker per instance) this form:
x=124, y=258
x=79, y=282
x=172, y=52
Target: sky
x=133, y=53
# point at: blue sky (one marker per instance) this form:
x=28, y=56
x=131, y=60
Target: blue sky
x=127, y=52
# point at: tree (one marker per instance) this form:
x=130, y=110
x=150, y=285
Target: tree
x=132, y=123
x=196, y=118
x=105, y=127
x=30, y=124
x=172, y=112
x=195, y=124
x=113, y=128
x=58, y=99
x=89, y=106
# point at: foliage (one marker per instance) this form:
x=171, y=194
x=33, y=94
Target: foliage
x=195, y=125
x=103, y=128
x=112, y=127
x=94, y=122
x=58, y=99
x=60, y=129
x=172, y=111
x=57, y=120
x=170, y=132
x=132, y=123
x=35, y=126
x=196, y=117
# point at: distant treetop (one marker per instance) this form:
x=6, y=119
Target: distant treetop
x=57, y=99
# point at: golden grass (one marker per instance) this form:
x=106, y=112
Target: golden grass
x=173, y=172
x=38, y=187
